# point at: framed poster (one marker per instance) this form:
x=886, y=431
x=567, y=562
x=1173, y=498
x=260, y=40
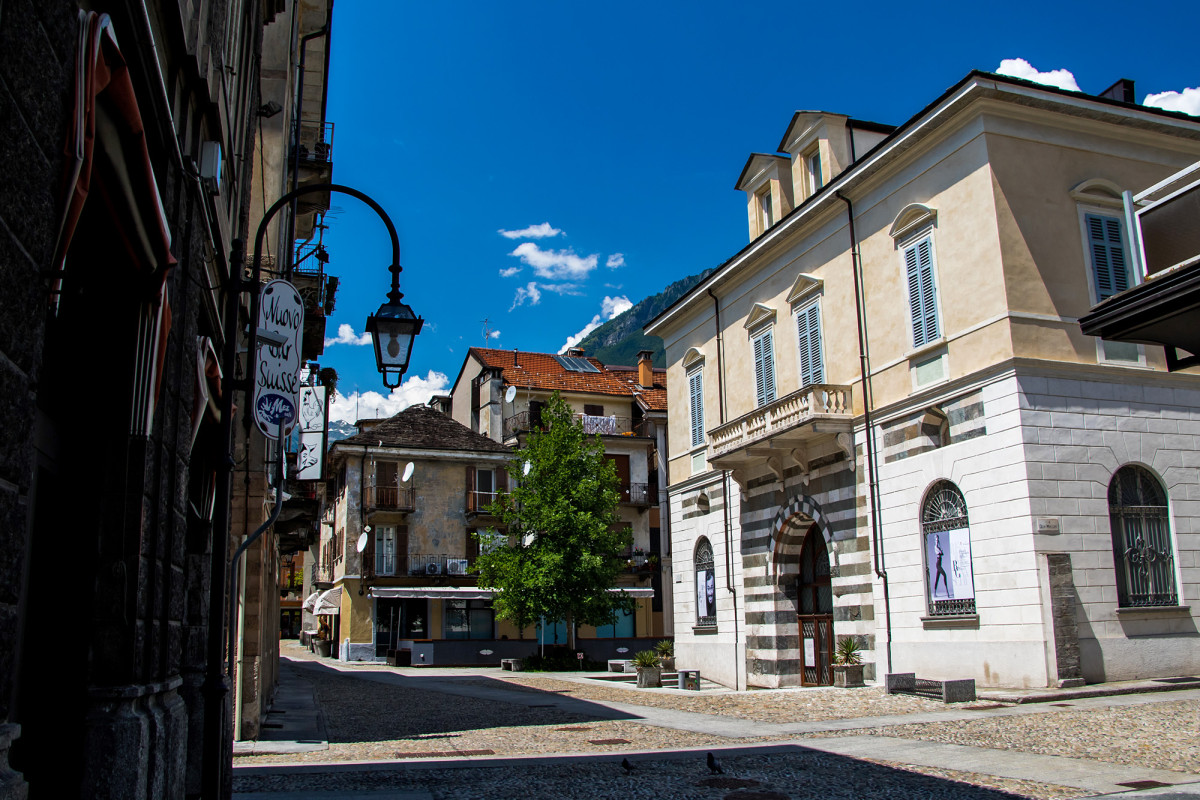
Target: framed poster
x=948, y=565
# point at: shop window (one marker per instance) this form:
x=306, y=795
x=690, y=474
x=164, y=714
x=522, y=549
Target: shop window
x=469, y=619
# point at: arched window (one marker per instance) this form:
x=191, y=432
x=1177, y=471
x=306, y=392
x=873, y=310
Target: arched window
x=949, y=577
x=1141, y=538
x=706, y=585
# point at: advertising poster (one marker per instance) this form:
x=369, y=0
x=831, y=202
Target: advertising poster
x=706, y=593
x=948, y=565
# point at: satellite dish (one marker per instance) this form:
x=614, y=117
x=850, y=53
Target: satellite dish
x=528, y=467
x=362, y=542
x=408, y=471
x=511, y=394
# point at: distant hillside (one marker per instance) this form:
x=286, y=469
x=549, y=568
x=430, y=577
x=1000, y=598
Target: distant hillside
x=340, y=430
x=619, y=340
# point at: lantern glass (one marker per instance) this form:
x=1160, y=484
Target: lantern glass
x=392, y=330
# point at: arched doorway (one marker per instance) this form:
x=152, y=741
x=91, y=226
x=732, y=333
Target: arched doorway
x=814, y=605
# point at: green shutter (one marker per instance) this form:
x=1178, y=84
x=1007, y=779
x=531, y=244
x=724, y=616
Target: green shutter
x=696, y=392
x=1109, y=269
x=808, y=334
x=764, y=368
x=922, y=295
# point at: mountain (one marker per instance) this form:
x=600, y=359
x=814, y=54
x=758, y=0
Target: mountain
x=619, y=340
x=340, y=430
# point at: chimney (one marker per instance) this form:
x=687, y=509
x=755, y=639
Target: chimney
x=646, y=368
x=575, y=352
x=1121, y=90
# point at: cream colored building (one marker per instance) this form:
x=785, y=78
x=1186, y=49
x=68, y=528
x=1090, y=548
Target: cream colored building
x=1024, y=511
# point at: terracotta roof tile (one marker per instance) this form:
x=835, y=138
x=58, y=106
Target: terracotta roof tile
x=542, y=371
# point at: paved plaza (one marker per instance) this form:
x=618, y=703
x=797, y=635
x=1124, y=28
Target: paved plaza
x=387, y=733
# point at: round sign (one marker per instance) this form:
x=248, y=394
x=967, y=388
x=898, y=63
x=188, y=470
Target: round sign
x=408, y=471
x=511, y=394
x=362, y=542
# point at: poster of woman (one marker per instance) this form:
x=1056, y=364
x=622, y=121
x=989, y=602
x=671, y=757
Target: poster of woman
x=948, y=565
x=706, y=593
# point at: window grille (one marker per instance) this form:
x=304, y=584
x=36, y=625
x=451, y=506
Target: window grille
x=1141, y=538
x=945, y=528
x=706, y=606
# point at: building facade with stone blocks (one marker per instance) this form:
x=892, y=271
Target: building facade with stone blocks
x=626, y=407
x=886, y=423
x=122, y=202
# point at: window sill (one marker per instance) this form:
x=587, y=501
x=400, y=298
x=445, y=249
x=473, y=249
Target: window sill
x=928, y=347
x=1123, y=611
x=704, y=630
x=950, y=621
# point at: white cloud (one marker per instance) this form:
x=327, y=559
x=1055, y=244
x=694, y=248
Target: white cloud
x=528, y=292
x=609, y=308
x=494, y=335
x=509, y=272
x=542, y=231
x=1187, y=101
x=562, y=288
x=414, y=391
x=555, y=265
x=346, y=335
x=1020, y=68
x=615, y=260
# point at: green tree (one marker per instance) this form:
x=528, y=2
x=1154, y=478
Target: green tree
x=564, y=548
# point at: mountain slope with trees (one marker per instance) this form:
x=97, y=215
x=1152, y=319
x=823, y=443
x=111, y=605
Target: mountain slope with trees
x=619, y=340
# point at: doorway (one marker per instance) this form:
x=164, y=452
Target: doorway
x=814, y=601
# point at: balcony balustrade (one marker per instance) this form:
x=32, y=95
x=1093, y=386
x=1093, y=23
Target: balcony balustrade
x=639, y=494
x=389, y=497
x=478, y=502
x=792, y=419
x=411, y=565
x=523, y=421
x=323, y=573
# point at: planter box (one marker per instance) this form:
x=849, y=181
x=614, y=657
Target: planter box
x=848, y=675
x=649, y=677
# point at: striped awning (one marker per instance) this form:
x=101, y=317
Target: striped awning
x=310, y=602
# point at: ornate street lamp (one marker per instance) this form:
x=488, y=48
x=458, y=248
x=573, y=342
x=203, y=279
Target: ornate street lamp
x=392, y=330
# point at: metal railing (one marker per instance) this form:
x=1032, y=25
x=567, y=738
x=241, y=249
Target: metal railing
x=390, y=497
x=314, y=141
x=524, y=421
x=436, y=564
x=640, y=494
x=478, y=502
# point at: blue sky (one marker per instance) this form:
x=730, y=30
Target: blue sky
x=621, y=129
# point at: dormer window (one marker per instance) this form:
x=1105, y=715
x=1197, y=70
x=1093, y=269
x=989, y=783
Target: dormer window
x=765, y=219
x=816, y=180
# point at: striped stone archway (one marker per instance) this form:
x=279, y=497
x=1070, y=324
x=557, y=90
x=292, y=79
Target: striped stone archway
x=788, y=530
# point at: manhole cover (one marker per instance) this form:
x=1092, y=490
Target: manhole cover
x=1144, y=784
x=609, y=741
x=727, y=783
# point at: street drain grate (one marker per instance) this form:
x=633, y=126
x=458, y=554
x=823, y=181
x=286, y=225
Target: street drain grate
x=609, y=741
x=1144, y=784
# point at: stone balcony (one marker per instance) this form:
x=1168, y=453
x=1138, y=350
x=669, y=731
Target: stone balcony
x=791, y=422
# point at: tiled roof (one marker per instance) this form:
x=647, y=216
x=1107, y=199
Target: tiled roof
x=542, y=371
x=422, y=427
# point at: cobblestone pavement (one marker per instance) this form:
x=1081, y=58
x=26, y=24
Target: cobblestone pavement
x=369, y=720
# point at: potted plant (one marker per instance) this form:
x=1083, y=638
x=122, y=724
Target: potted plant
x=847, y=663
x=649, y=669
x=666, y=654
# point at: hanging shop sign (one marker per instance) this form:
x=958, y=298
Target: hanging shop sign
x=312, y=433
x=277, y=362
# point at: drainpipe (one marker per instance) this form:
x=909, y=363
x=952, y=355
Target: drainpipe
x=737, y=666
x=868, y=402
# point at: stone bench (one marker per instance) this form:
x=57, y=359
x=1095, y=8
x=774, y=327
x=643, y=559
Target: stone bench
x=621, y=665
x=512, y=664
x=959, y=691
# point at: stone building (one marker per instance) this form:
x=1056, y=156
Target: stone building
x=886, y=423
x=129, y=142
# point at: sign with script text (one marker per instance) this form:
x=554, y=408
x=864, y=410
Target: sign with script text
x=277, y=367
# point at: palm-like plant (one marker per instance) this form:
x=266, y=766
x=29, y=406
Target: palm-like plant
x=646, y=659
x=848, y=652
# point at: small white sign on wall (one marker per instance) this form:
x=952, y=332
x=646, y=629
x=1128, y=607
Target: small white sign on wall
x=810, y=652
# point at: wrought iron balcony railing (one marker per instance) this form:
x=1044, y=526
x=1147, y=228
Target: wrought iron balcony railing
x=390, y=497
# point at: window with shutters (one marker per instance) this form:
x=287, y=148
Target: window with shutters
x=696, y=405
x=764, y=367
x=808, y=336
x=922, y=291
x=1108, y=265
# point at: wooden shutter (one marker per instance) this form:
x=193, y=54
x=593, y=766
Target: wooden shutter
x=764, y=368
x=501, y=479
x=922, y=300
x=471, y=489
x=808, y=334
x=696, y=392
x=1109, y=269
